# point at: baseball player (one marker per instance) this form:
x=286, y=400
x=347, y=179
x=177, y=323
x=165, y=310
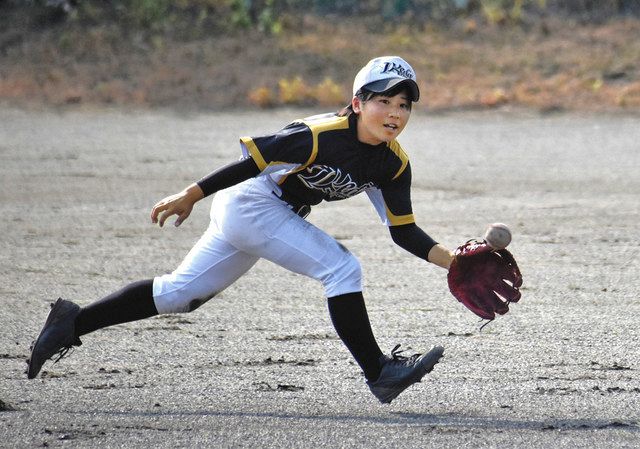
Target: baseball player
x=259, y=211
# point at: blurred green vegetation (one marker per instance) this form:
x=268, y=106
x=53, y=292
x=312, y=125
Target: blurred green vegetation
x=196, y=18
x=544, y=54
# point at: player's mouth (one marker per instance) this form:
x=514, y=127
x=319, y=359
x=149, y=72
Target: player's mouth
x=391, y=126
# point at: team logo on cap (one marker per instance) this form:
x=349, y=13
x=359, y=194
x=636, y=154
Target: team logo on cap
x=392, y=67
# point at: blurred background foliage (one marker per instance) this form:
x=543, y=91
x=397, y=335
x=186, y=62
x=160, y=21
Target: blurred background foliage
x=544, y=54
x=195, y=18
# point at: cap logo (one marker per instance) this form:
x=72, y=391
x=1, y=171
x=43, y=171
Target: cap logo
x=398, y=69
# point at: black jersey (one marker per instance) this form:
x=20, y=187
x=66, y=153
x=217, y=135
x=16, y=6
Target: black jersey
x=320, y=158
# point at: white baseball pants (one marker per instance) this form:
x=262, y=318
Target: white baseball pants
x=249, y=222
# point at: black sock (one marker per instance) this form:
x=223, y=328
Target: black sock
x=351, y=321
x=134, y=302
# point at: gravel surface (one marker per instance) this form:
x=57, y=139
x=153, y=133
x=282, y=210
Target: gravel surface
x=260, y=365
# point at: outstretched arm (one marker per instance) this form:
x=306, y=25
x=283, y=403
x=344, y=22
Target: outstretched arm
x=181, y=204
x=418, y=243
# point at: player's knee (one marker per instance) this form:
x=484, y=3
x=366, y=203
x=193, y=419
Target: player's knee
x=169, y=297
x=345, y=278
x=178, y=304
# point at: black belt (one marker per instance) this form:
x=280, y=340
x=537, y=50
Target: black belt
x=299, y=209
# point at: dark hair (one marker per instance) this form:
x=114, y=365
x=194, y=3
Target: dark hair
x=366, y=95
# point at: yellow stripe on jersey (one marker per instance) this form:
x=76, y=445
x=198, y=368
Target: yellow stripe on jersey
x=259, y=160
x=319, y=126
x=397, y=220
x=398, y=151
x=254, y=152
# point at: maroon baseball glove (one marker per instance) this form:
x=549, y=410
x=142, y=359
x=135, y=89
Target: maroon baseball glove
x=483, y=279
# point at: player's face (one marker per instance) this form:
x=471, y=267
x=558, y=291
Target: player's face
x=382, y=119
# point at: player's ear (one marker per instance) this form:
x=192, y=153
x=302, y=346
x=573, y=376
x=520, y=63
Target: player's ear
x=356, y=105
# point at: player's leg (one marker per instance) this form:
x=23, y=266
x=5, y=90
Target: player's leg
x=297, y=245
x=301, y=247
x=131, y=303
x=210, y=267
x=351, y=322
x=67, y=321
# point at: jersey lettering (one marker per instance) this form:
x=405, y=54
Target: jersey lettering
x=331, y=182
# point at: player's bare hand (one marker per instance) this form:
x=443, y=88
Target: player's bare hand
x=180, y=204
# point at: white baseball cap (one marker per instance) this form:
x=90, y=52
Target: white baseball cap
x=382, y=73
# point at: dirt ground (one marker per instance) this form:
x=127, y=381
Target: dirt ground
x=260, y=365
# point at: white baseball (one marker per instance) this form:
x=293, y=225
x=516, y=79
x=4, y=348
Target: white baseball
x=498, y=236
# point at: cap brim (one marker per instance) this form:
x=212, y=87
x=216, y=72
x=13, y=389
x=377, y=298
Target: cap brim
x=384, y=85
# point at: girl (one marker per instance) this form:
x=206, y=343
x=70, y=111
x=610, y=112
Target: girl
x=258, y=212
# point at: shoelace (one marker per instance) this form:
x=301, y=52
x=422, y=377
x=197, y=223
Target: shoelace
x=397, y=358
x=62, y=352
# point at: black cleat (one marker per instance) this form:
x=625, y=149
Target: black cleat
x=56, y=337
x=400, y=372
